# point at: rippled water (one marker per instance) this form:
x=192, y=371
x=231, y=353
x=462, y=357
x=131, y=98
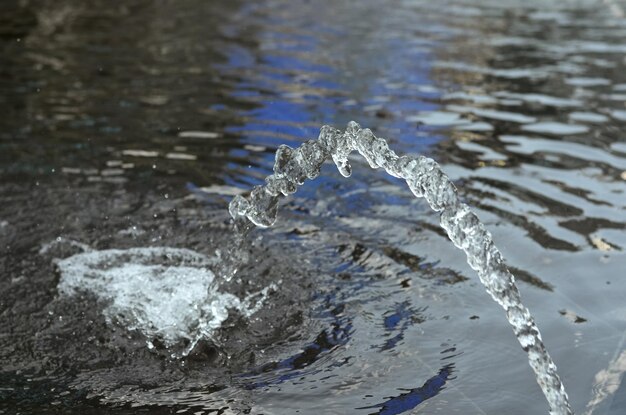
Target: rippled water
x=132, y=126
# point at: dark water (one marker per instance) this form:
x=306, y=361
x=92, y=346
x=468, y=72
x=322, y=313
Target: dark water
x=132, y=126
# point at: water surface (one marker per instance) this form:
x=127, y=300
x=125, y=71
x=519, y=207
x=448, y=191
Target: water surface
x=132, y=126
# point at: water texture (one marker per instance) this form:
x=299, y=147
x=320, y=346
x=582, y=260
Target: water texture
x=130, y=127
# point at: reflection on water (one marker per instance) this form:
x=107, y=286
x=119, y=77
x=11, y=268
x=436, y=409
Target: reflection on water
x=132, y=125
x=412, y=398
x=607, y=383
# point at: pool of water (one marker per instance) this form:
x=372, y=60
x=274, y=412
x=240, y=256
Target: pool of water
x=126, y=130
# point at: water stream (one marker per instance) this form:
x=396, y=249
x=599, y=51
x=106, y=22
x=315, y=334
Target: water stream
x=425, y=179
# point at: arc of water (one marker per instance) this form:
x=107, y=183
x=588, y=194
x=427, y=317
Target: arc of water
x=425, y=179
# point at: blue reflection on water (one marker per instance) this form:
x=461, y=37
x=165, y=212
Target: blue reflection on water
x=288, y=91
x=398, y=321
x=412, y=398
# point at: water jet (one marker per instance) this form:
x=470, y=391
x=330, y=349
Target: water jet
x=426, y=179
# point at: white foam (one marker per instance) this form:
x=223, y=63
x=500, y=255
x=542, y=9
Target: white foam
x=164, y=293
x=58, y=241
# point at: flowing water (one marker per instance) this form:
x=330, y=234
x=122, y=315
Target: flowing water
x=126, y=130
x=425, y=179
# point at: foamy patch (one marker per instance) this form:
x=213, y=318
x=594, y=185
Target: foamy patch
x=164, y=293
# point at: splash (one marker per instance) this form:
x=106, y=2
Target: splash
x=167, y=294
x=425, y=179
